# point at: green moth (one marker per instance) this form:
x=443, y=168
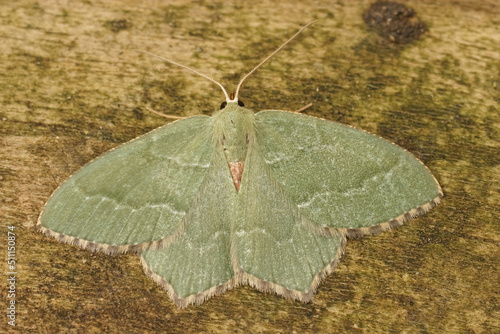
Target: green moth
x=266, y=199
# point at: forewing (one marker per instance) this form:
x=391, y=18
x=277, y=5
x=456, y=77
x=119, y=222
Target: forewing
x=197, y=265
x=344, y=179
x=272, y=248
x=136, y=194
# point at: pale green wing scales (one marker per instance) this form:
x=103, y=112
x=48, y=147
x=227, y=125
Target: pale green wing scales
x=272, y=249
x=135, y=195
x=198, y=264
x=344, y=180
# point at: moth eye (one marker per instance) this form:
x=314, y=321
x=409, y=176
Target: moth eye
x=224, y=104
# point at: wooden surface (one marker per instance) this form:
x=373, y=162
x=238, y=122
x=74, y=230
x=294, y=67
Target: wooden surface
x=71, y=88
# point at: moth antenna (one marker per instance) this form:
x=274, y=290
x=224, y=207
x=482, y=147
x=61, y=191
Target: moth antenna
x=190, y=70
x=269, y=57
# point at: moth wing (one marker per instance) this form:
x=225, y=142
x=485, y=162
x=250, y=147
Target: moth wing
x=341, y=178
x=198, y=264
x=272, y=248
x=135, y=195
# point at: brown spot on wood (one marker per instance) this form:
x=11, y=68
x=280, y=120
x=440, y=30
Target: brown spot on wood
x=118, y=25
x=394, y=21
x=236, y=169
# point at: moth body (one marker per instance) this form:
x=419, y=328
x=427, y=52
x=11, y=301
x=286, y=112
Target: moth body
x=234, y=130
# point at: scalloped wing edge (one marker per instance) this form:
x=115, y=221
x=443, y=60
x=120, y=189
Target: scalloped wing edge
x=243, y=278
x=379, y=228
x=112, y=249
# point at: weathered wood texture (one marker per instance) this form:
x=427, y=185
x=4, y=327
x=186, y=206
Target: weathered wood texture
x=71, y=88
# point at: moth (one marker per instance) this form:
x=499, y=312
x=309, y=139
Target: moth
x=266, y=199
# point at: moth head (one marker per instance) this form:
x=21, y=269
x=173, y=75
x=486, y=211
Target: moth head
x=224, y=104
